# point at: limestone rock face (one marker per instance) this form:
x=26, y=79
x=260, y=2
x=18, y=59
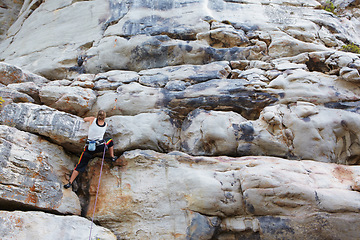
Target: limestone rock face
x=75, y=100
x=9, y=11
x=26, y=225
x=234, y=119
x=301, y=131
x=10, y=74
x=154, y=131
x=174, y=194
x=32, y=171
x=64, y=129
x=129, y=35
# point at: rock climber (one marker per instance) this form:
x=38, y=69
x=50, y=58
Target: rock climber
x=94, y=144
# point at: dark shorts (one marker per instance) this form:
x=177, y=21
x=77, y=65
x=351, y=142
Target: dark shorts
x=86, y=155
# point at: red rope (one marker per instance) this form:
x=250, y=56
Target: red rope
x=97, y=191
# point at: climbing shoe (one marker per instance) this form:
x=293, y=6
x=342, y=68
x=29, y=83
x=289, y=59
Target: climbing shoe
x=113, y=159
x=66, y=186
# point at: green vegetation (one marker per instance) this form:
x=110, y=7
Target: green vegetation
x=328, y=6
x=351, y=48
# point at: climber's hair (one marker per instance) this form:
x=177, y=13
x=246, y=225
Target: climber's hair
x=101, y=115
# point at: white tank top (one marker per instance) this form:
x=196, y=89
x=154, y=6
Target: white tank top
x=96, y=132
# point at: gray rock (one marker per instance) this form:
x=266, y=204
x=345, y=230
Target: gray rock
x=64, y=129
x=9, y=12
x=156, y=131
x=28, y=225
x=139, y=52
x=254, y=197
x=188, y=73
x=32, y=174
x=12, y=74
x=350, y=74
x=29, y=88
x=10, y=95
x=75, y=100
x=289, y=131
x=176, y=85
x=113, y=79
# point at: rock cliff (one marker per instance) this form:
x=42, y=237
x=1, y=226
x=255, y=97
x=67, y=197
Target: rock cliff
x=234, y=119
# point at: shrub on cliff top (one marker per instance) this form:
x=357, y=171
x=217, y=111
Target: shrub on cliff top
x=329, y=6
x=351, y=48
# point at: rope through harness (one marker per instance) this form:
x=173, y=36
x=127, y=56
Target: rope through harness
x=97, y=191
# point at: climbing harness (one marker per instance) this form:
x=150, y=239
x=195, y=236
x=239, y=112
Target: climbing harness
x=97, y=191
x=92, y=144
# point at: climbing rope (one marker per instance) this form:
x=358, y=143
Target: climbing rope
x=97, y=191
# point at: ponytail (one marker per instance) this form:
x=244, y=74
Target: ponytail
x=101, y=115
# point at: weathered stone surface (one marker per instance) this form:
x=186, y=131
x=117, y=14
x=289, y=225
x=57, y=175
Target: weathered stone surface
x=218, y=94
x=32, y=173
x=301, y=130
x=219, y=77
x=64, y=129
x=39, y=225
x=9, y=95
x=9, y=11
x=113, y=79
x=13, y=74
x=314, y=87
x=192, y=74
x=60, y=23
x=224, y=36
x=156, y=131
x=236, y=95
x=167, y=195
x=29, y=88
x=350, y=74
x=129, y=99
x=139, y=52
x=74, y=100
x=284, y=45
x=141, y=35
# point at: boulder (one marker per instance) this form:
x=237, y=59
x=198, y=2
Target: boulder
x=300, y=131
x=75, y=100
x=192, y=74
x=10, y=95
x=155, y=195
x=350, y=74
x=156, y=131
x=113, y=79
x=314, y=87
x=39, y=225
x=62, y=128
x=9, y=12
x=129, y=99
x=220, y=94
x=32, y=174
x=138, y=53
x=29, y=88
x=12, y=74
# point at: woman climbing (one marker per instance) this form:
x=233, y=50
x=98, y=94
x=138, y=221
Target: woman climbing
x=95, y=143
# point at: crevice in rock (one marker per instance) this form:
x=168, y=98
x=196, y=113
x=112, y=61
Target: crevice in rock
x=35, y=5
x=115, y=8
x=9, y=205
x=317, y=66
x=352, y=106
